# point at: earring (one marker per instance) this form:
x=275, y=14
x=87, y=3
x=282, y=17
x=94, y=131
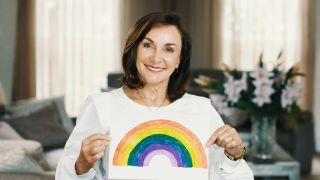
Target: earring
x=176, y=70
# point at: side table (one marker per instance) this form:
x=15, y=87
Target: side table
x=281, y=164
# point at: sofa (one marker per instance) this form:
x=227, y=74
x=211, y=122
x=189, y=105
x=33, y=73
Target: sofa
x=299, y=142
x=32, y=136
x=35, y=155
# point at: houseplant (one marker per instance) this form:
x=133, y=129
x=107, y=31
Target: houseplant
x=264, y=94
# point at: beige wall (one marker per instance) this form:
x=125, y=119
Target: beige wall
x=8, y=20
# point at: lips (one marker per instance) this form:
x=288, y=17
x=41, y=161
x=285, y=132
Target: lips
x=154, y=68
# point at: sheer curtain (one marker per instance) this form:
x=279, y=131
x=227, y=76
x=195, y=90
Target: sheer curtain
x=77, y=44
x=245, y=29
x=251, y=27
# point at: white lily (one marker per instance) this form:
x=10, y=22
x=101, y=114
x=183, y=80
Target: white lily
x=261, y=74
x=232, y=90
x=218, y=101
x=291, y=93
x=242, y=84
x=286, y=100
x=263, y=91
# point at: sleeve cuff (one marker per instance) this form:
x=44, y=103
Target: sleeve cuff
x=89, y=175
x=228, y=165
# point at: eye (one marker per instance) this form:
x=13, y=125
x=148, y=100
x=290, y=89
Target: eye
x=169, y=49
x=146, y=45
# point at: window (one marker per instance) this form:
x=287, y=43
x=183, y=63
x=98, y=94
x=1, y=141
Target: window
x=251, y=27
x=77, y=44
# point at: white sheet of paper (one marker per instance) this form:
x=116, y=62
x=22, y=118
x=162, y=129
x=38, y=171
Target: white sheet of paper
x=158, y=163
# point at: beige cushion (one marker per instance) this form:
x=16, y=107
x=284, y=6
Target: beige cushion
x=18, y=161
x=32, y=148
x=7, y=132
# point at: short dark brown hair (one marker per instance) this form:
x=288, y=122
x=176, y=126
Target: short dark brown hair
x=178, y=81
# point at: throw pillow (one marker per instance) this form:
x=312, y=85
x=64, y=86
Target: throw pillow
x=18, y=161
x=7, y=132
x=53, y=157
x=43, y=126
x=27, y=106
x=32, y=148
x=64, y=118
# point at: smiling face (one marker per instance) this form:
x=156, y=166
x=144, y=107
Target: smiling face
x=158, y=54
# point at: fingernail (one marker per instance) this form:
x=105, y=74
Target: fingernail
x=207, y=145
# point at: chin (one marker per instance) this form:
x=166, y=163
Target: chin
x=155, y=80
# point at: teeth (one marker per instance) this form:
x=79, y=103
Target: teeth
x=157, y=69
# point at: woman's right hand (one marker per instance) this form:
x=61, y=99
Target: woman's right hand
x=92, y=149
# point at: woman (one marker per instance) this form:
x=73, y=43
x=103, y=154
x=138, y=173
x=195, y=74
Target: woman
x=156, y=68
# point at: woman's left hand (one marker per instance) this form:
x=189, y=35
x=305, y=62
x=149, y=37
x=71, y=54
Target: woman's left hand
x=228, y=138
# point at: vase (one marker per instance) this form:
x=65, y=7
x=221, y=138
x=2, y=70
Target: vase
x=263, y=134
x=234, y=116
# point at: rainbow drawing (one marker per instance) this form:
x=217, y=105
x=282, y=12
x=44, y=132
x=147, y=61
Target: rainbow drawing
x=160, y=137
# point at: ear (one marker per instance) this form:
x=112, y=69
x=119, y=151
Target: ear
x=177, y=66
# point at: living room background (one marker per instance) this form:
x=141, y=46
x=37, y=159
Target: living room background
x=203, y=29
x=81, y=44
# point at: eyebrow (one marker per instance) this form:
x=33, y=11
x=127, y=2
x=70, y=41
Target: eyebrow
x=167, y=44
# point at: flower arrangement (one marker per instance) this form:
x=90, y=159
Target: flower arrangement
x=261, y=92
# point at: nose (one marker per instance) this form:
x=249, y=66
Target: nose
x=157, y=56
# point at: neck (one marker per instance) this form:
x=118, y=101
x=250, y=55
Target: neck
x=153, y=96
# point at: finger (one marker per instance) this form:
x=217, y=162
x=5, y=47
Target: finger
x=94, y=147
x=96, y=136
x=232, y=144
x=92, y=159
x=98, y=155
x=97, y=149
x=226, y=134
x=232, y=132
x=99, y=143
x=236, y=137
x=235, y=143
x=226, y=140
x=91, y=149
x=214, y=136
